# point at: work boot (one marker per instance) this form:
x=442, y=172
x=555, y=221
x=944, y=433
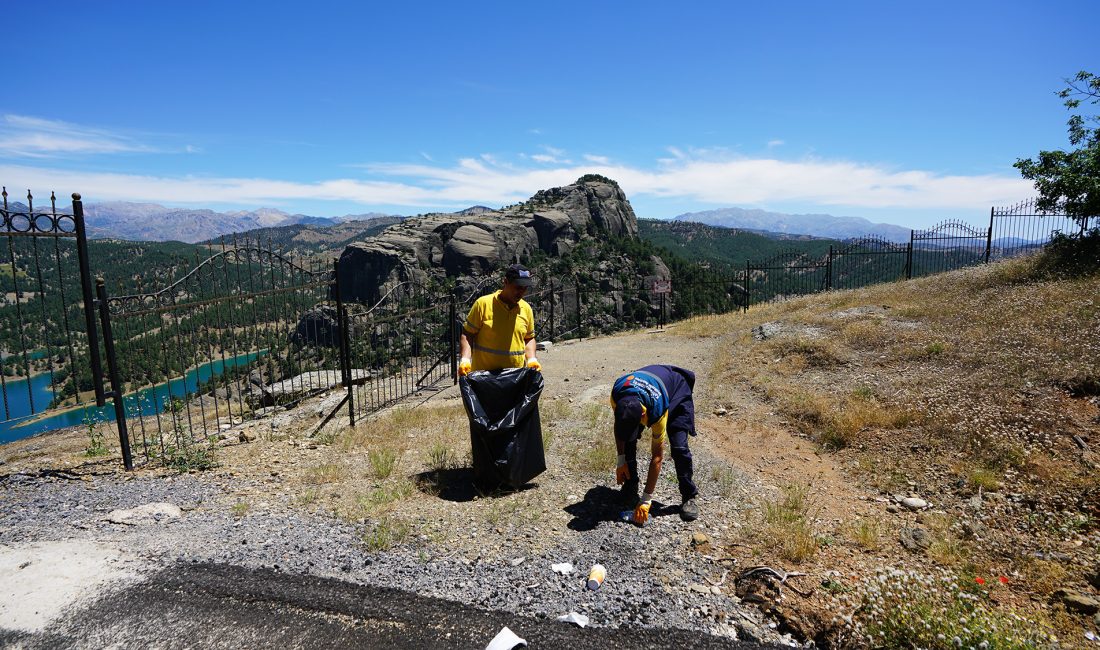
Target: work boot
x=689, y=510
x=628, y=495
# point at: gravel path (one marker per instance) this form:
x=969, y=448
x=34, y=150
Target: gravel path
x=656, y=578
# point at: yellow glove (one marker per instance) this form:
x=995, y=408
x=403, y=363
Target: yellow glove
x=641, y=513
x=622, y=471
x=465, y=366
x=534, y=363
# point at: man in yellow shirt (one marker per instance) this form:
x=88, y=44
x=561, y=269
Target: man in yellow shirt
x=499, y=331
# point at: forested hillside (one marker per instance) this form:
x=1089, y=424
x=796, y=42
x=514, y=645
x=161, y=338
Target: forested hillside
x=725, y=247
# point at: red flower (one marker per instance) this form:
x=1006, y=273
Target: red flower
x=1004, y=580
x=980, y=581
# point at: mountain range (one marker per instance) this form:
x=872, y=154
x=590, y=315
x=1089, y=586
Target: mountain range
x=154, y=222
x=816, y=225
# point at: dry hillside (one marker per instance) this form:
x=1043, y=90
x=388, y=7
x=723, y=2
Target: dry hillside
x=916, y=459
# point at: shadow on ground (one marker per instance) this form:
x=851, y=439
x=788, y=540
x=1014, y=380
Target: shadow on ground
x=459, y=484
x=602, y=503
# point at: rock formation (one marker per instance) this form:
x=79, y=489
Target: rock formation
x=478, y=242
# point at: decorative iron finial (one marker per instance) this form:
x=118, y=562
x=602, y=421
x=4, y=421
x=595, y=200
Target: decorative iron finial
x=76, y=196
x=53, y=203
x=30, y=202
x=5, y=197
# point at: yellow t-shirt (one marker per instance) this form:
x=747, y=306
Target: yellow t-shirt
x=498, y=334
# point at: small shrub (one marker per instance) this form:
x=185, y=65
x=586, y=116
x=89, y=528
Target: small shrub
x=385, y=534
x=240, y=508
x=983, y=478
x=867, y=534
x=326, y=473
x=190, y=457
x=96, y=446
x=907, y=609
x=382, y=497
x=725, y=481
x=382, y=462
x=788, y=523
x=441, y=457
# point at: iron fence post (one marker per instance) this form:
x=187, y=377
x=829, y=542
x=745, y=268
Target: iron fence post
x=909, y=258
x=989, y=236
x=345, y=341
x=452, y=335
x=551, y=309
x=829, y=270
x=112, y=369
x=89, y=303
x=577, y=287
x=748, y=285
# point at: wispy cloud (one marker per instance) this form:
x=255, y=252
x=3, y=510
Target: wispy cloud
x=598, y=160
x=775, y=143
x=709, y=177
x=33, y=137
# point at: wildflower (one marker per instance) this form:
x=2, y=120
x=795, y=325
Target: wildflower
x=1004, y=580
x=980, y=581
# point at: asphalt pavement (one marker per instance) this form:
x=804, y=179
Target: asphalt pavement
x=227, y=606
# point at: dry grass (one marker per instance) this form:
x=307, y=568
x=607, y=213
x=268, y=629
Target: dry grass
x=786, y=524
x=327, y=472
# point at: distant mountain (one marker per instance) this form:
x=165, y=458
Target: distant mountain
x=816, y=225
x=327, y=240
x=153, y=222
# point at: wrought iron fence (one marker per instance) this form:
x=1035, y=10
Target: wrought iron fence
x=1023, y=228
x=47, y=328
x=244, y=330
x=947, y=246
x=401, y=345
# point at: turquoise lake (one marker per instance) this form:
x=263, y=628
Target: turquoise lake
x=148, y=400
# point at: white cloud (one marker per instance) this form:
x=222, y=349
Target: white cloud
x=709, y=177
x=32, y=137
x=599, y=160
x=775, y=143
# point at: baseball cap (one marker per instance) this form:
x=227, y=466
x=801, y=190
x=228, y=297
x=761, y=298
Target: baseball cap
x=628, y=419
x=518, y=275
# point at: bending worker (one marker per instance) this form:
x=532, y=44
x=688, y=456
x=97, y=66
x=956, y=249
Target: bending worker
x=499, y=331
x=659, y=397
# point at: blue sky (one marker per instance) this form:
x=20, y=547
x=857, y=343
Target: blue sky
x=905, y=113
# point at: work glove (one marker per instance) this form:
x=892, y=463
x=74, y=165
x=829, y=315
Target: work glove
x=465, y=366
x=641, y=513
x=534, y=364
x=622, y=470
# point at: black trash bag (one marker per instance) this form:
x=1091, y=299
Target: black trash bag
x=505, y=430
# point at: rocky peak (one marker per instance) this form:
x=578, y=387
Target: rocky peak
x=476, y=243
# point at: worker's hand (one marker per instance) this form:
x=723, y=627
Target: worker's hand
x=534, y=364
x=641, y=513
x=465, y=366
x=622, y=470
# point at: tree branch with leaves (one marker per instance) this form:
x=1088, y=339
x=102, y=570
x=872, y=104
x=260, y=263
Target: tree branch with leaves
x=1070, y=180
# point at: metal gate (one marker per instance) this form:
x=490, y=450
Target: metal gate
x=245, y=330
x=48, y=351
x=947, y=246
x=866, y=261
x=403, y=344
x=785, y=275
